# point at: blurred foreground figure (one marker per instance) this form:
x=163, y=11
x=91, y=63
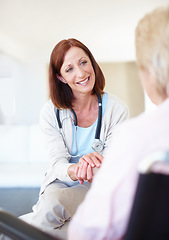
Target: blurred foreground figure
x=105, y=212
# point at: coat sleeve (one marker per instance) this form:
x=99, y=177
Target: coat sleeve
x=57, y=152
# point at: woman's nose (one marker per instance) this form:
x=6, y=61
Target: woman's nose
x=80, y=72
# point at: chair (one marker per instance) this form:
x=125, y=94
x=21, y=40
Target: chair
x=149, y=219
x=17, y=229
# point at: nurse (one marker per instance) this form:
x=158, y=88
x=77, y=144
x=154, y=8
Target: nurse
x=70, y=120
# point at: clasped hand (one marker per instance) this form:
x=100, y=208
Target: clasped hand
x=87, y=166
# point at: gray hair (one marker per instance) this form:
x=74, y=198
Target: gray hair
x=152, y=47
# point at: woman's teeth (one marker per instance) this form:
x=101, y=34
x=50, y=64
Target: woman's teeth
x=84, y=81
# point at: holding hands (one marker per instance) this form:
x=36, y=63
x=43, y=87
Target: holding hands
x=86, y=168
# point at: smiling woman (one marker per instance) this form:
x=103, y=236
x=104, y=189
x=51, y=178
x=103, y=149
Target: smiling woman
x=78, y=114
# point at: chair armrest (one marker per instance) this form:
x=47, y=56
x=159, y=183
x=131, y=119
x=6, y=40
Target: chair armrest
x=17, y=229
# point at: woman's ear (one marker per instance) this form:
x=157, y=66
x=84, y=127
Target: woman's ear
x=61, y=78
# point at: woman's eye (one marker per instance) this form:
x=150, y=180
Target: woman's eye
x=69, y=69
x=83, y=62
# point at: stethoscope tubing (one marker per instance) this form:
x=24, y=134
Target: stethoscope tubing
x=98, y=128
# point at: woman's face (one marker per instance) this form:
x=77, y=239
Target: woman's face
x=78, y=71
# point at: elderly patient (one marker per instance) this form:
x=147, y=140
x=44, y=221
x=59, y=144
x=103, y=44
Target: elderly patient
x=105, y=211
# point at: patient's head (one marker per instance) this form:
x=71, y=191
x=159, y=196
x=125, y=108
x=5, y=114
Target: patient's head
x=152, y=52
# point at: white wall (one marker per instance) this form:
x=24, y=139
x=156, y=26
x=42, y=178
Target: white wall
x=122, y=80
x=23, y=90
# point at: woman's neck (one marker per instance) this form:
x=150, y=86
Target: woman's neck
x=85, y=103
x=86, y=109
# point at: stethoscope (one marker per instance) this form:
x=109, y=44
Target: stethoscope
x=97, y=144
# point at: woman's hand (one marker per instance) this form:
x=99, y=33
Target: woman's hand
x=72, y=171
x=82, y=172
x=93, y=159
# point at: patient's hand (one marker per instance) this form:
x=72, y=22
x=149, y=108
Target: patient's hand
x=84, y=172
x=89, y=164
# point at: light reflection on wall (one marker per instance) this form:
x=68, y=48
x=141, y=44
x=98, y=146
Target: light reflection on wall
x=7, y=100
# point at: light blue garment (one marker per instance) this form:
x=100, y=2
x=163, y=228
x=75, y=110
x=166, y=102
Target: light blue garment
x=85, y=137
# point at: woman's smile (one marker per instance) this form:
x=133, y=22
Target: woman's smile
x=83, y=82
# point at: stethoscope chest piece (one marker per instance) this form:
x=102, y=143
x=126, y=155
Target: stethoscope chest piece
x=97, y=145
